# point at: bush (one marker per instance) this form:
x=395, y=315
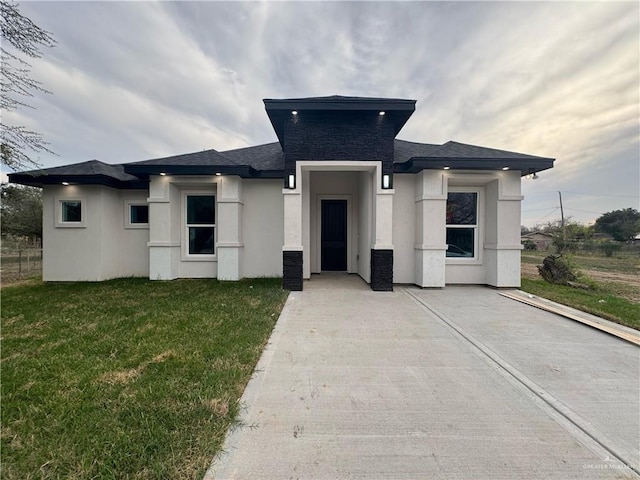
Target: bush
x=609, y=248
x=556, y=269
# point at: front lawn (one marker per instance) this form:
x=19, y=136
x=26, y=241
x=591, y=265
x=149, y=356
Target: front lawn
x=597, y=301
x=127, y=378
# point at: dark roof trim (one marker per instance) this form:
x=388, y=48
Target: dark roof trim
x=90, y=179
x=337, y=102
x=397, y=110
x=244, y=171
x=525, y=166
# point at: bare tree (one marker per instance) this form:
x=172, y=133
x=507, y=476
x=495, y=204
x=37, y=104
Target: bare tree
x=26, y=38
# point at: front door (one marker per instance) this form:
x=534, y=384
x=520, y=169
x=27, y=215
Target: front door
x=334, y=235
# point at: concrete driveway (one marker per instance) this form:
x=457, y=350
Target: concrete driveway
x=458, y=383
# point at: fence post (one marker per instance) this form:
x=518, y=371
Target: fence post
x=19, y=264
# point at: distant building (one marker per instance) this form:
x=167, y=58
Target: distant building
x=541, y=240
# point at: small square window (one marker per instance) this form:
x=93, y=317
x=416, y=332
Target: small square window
x=139, y=214
x=71, y=211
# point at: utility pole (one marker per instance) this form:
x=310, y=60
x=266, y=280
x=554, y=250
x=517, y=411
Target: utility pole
x=564, y=231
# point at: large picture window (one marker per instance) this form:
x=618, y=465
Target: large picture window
x=462, y=224
x=200, y=224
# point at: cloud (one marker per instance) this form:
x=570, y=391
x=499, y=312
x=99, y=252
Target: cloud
x=134, y=80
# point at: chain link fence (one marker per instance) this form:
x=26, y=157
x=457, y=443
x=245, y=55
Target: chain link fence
x=19, y=264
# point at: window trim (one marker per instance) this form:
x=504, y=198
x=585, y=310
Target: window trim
x=60, y=223
x=128, y=224
x=477, y=227
x=184, y=236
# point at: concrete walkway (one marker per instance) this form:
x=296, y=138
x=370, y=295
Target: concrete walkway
x=457, y=383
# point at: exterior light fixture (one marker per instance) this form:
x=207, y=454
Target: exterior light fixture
x=382, y=112
x=505, y=168
x=65, y=183
x=447, y=168
x=162, y=174
x=218, y=174
x=292, y=181
x=294, y=112
x=386, y=181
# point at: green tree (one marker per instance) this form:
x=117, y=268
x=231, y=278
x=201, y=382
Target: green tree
x=622, y=225
x=21, y=211
x=20, y=36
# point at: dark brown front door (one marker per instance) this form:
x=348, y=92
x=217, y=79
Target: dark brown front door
x=334, y=235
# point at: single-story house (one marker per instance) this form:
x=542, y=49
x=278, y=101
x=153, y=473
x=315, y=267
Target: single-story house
x=336, y=192
x=541, y=240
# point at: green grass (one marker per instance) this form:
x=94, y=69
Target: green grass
x=625, y=263
x=598, y=301
x=127, y=378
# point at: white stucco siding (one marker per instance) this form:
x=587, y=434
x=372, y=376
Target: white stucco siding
x=365, y=220
x=98, y=248
x=134, y=260
x=498, y=249
x=263, y=228
x=404, y=229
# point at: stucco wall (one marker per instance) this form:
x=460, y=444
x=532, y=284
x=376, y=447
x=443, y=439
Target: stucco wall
x=98, y=249
x=365, y=224
x=499, y=243
x=404, y=229
x=263, y=227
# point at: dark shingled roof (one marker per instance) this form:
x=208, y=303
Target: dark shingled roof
x=267, y=157
x=205, y=157
x=93, y=172
x=267, y=161
x=404, y=150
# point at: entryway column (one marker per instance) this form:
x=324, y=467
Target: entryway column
x=431, y=242
x=292, y=248
x=229, y=246
x=382, y=250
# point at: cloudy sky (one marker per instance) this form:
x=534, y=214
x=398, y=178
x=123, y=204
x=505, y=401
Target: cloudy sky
x=137, y=80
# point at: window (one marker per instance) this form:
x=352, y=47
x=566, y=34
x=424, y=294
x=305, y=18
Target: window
x=136, y=214
x=139, y=214
x=200, y=224
x=462, y=224
x=70, y=213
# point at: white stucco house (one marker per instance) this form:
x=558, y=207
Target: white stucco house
x=336, y=192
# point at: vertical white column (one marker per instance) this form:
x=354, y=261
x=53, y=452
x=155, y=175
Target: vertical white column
x=164, y=234
x=229, y=247
x=430, y=248
x=383, y=214
x=502, y=256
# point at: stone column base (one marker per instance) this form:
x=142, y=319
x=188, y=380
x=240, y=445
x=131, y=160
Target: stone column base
x=382, y=270
x=292, y=270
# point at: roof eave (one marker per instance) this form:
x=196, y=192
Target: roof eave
x=144, y=171
x=94, y=179
x=524, y=166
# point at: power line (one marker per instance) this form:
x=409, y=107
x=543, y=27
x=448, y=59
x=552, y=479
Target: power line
x=554, y=210
x=602, y=195
x=585, y=211
x=538, y=209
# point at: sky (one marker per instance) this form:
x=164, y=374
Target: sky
x=132, y=81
